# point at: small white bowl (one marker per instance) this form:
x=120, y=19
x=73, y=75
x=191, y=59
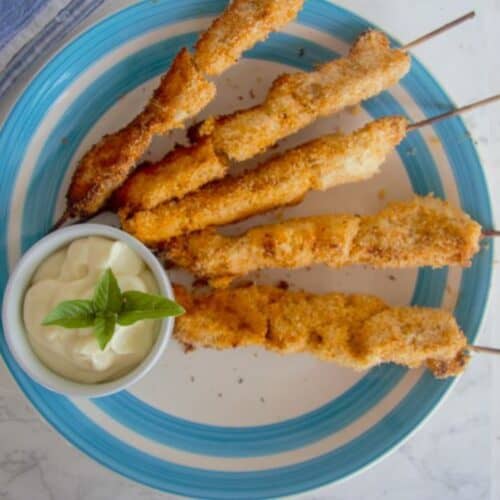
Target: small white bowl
x=13, y=323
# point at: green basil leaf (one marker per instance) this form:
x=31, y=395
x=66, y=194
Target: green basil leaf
x=138, y=306
x=104, y=328
x=107, y=294
x=71, y=314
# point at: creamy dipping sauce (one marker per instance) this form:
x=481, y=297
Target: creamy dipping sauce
x=72, y=273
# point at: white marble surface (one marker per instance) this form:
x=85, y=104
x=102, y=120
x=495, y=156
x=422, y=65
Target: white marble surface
x=456, y=455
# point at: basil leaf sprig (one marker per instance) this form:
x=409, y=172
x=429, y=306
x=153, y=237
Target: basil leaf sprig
x=109, y=307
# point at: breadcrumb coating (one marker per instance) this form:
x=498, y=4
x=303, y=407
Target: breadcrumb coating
x=240, y=27
x=181, y=171
x=182, y=93
x=356, y=331
x=296, y=100
x=425, y=231
x=318, y=165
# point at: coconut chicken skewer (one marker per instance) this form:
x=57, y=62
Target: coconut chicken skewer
x=183, y=92
x=425, y=231
x=293, y=102
x=355, y=331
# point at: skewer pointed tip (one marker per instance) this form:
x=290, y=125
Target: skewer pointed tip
x=61, y=221
x=453, y=112
x=438, y=31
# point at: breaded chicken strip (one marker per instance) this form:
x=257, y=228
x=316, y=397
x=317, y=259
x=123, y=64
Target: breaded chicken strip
x=423, y=232
x=292, y=244
x=318, y=165
x=240, y=27
x=182, y=171
x=296, y=100
x=356, y=331
x=183, y=92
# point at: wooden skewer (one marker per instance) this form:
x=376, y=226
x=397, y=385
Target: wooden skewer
x=491, y=233
x=453, y=112
x=66, y=216
x=484, y=350
x=487, y=233
x=439, y=30
x=62, y=220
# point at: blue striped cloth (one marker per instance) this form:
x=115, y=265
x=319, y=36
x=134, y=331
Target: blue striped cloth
x=17, y=18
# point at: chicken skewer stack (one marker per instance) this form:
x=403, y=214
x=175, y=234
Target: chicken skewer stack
x=293, y=102
x=425, y=231
x=154, y=204
x=183, y=92
x=320, y=164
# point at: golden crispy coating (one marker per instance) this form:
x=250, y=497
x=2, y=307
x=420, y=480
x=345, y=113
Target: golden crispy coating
x=181, y=171
x=182, y=93
x=425, y=231
x=240, y=27
x=357, y=331
x=291, y=244
x=296, y=100
x=319, y=164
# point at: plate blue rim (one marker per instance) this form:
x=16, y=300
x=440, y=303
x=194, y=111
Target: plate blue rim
x=313, y=15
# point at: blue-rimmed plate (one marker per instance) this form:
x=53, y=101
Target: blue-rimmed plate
x=242, y=424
